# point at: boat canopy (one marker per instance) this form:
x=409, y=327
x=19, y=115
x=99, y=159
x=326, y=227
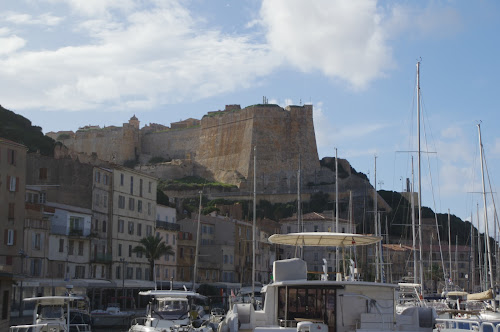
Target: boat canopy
x=324, y=239
x=483, y=296
x=54, y=300
x=170, y=293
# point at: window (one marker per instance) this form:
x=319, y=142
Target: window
x=139, y=229
x=42, y=174
x=10, y=238
x=80, y=248
x=120, y=226
x=118, y=272
x=166, y=239
x=104, y=226
x=36, y=241
x=139, y=206
x=131, y=185
x=105, y=178
x=61, y=245
x=60, y=270
x=173, y=239
x=150, y=184
x=207, y=275
x=316, y=228
x=42, y=197
x=129, y=250
x=97, y=198
x=105, y=200
x=146, y=274
x=97, y=176
x=79, y=271
x=138, y=273
x=139, y=254
x=96, y=225
x=131, y=204
x=149, y=230
x=166, y=273
x=71, y=247
x=149, y=208
x=76, y=225
x=122, y=178
x=181, y=253
x=131, y=227
x=119, y=249
x=121, y=202
x=13, y=183
x=140, y=187
x=288, y=229
x=130, y=272
x=36, y=267
x=11, y=157
x=12, y=208
x=5, y=304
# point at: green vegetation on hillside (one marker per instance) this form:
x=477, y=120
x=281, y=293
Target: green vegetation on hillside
x=18, y=129
x=193, y=182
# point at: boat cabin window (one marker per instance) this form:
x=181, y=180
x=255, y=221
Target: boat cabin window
x=171, y=307
x=311, y=303
x=50, y=312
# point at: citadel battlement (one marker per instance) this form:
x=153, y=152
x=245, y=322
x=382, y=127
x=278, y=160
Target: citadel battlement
x=218, y=147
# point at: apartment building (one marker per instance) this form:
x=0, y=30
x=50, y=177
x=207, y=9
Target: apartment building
x=133, y=218
x=12, y=195
x=168, y=230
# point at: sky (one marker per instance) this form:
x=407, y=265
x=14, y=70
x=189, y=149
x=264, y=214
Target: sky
x=65, y=64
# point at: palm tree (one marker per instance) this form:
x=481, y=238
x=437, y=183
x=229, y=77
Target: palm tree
x=153, y=247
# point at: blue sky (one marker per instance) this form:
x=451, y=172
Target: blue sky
x=66, y=64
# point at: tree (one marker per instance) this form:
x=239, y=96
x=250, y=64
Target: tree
x=153, y=247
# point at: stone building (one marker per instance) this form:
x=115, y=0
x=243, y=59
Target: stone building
x=168, y=230
x=133, y=218
x=12, y=194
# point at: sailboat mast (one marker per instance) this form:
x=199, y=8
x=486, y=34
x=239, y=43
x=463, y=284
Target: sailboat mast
x=337, y=262
x=472, y=271
x=486, y=215
x=254, y=219
x=449, y=244
x=415, y=278
x=419, y=183
x=299, y=203
x=377, y=270
x=195, y=272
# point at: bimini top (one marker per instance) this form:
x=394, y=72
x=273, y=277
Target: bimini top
x=54, y=300
x=170, y=293
x=324, y=239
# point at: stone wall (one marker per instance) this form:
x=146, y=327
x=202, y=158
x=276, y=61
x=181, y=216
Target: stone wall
x=115, y=144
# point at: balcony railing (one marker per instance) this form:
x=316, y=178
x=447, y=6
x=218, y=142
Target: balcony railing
x=169, y=226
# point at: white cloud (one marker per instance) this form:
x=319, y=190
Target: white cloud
x=155, y=56
x=11, y=44
x=46, y=19
x=342, y=39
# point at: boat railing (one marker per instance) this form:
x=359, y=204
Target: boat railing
x=49, y=327
x=466, y=325
x=138, y=321
x=294, y=322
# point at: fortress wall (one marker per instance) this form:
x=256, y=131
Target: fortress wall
x=115, y=145
x=283, y=136
x=226, y=144
x=175, y=144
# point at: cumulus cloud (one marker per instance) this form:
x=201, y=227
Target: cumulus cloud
x=341, y=39
x=46, y=19
x=156, y=55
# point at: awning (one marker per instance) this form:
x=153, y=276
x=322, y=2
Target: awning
x=324, y=239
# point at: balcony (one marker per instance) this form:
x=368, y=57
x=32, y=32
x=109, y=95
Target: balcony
x=169, y=226
x=102, y=258
x=76, y=232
